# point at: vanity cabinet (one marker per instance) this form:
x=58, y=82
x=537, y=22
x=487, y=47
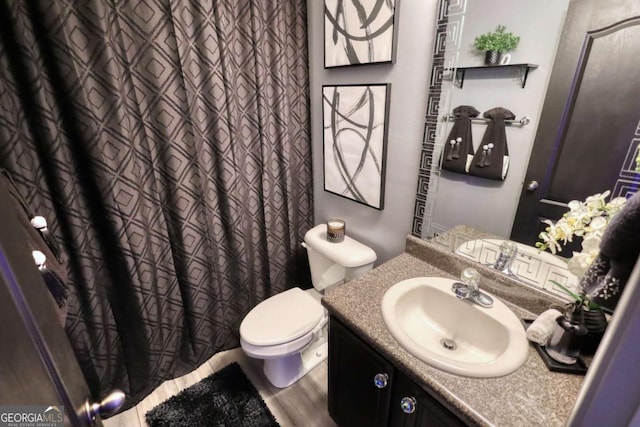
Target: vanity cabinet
x=367, y=390
x=354, y=398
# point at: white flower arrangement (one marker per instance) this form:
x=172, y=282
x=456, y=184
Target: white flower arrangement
x=586, y=219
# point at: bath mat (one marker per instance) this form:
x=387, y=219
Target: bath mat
x=224, y=399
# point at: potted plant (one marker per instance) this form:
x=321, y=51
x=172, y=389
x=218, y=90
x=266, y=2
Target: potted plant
x=587, y=220
x=584, y=311
x=494, y=43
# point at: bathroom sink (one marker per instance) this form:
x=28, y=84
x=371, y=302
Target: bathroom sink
x=454, y=335
x=530, y=265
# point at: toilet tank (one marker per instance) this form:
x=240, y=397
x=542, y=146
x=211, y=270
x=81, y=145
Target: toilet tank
x=335, y=263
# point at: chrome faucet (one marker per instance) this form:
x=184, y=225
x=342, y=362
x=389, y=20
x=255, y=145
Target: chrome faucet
x=508, y=252
x=468, y=289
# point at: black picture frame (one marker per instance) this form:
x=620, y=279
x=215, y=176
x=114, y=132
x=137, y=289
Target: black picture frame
x=355, y=134
x=360, y=32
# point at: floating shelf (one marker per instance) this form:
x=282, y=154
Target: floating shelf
x=523, y=68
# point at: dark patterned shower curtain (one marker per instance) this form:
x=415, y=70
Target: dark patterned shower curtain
x=167, y=141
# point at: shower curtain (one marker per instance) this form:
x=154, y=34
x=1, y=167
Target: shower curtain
x=167, y=142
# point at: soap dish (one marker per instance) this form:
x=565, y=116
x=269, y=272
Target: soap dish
x=578, y=368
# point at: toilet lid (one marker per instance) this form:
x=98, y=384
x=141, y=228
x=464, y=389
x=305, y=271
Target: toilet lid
x=281, y=318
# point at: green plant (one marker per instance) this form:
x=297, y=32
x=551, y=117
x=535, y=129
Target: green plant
x=498, y=40
x=581, y=301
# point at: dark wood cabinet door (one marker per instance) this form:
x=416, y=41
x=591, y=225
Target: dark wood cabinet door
x=427, y=411
x=590, y=124
x=354, y=399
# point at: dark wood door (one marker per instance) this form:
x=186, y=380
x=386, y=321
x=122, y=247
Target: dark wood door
x=590, y=124
x=411, y=406
x=37, y=364
x=354, y=399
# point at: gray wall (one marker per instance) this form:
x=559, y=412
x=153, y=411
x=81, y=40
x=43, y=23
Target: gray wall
x=485, y=204
x=384, y=231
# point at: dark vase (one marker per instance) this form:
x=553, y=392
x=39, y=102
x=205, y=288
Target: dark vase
x=492, y=57
x=596, y=323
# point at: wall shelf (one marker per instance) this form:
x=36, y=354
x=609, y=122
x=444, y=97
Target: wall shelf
x=523, y=69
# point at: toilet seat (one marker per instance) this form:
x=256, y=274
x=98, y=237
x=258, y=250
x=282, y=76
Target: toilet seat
x=285, y=318
x=276, y=351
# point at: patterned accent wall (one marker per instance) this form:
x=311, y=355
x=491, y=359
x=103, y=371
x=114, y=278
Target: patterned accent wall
x=450, y=22
x=628, y=179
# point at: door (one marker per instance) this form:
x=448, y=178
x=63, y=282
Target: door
x=413, y=407
x=590, y=124
x=37, y=364
x=360, y=380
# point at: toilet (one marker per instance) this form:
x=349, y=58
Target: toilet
x=289, y=330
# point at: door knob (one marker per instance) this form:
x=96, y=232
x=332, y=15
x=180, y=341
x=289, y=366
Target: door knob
x=532, y=185
x=108, y=406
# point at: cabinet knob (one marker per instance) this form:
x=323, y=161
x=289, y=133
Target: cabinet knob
x=381, y=380
x=532, y=185
x=408, y=405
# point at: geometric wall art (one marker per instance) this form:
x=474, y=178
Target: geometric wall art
x=359, y=32
x=355, y=127
x=629, y=178
x=448, y=43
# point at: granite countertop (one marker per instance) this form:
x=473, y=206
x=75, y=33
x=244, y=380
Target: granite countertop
x=532, y=395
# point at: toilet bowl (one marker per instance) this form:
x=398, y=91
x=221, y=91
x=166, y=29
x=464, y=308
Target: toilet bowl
x=281, y=330
x=289, y=330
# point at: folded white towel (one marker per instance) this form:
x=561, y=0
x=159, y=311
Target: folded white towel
x=541, y=329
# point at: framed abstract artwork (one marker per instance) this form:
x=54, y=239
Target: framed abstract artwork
x=355, y=128
x=359, y=32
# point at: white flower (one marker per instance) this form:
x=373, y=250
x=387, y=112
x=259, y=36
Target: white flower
x=597, y=200
x=589, y=220
x=615, y=205
x=580, y=262
x=598, y=223
x=591, y=243
x=550, y=242
x=577, y=217
x=575, y=205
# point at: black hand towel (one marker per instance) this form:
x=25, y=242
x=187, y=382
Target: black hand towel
x=619, y=251
x=492, y=157
x=55, y=273
x=458, y=149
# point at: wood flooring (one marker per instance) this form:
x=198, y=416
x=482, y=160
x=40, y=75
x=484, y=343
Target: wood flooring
x=302, y=404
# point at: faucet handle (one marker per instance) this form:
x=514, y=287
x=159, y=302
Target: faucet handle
x=508, y=249
x=471, y=278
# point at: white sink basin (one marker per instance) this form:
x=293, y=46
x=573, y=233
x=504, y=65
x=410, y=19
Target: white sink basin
x=426, y=318
x=531, y=265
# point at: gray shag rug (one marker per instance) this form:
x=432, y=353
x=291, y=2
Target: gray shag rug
x=226, y=398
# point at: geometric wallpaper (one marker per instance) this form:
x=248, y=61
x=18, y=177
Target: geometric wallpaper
x=450, y=22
